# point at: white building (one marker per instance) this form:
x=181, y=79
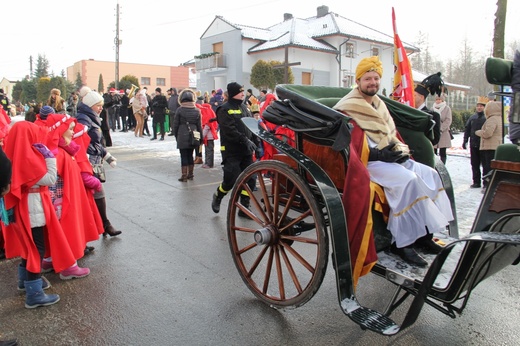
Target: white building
x=327, y=47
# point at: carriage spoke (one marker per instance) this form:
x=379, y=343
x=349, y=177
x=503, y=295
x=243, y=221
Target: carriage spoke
x=290, y=268
x=257, y=205
x=295, y=220
x=288, y=206
x=265, y=196
x=257, y=262
x=246, y=248
x=300, y=259
x=281, y=286
x=276, y=196
x=267, y=276
x=300, y=239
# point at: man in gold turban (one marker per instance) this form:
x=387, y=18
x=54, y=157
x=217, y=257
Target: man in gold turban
x=418, y=204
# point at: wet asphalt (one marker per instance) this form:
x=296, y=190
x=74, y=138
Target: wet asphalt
x=169, y=279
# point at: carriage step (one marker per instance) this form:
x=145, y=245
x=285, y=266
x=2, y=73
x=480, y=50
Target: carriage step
x=368, y=318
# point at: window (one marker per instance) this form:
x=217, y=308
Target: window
x=145, y=80
x=160, y=81
x=375, y=50
x=349, y=50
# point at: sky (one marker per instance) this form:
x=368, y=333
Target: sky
x=167, y=32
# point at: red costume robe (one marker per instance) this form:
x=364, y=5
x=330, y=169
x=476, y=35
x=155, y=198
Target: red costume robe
x=28, y=168
x=77, y=220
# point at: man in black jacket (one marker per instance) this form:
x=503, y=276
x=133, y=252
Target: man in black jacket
x=159, y=106
x=236, y=145
x=474, y=124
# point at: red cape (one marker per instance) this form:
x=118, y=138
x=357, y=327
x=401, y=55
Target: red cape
x=78, y=221
x=208, y=114
x=28, y=168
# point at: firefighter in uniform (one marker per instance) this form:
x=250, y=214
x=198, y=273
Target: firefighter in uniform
x=237, y=145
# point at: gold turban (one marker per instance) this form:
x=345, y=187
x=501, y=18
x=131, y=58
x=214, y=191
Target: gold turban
x=369, y=64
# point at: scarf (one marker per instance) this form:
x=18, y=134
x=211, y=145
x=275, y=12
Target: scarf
x=439, y=107
x=374, y=119
x=188, y=104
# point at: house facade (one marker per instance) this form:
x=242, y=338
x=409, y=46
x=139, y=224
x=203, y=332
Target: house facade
x=150, y=76
x=322, y=50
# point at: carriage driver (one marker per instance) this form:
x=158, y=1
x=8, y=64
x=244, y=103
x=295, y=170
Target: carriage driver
x=419, y=205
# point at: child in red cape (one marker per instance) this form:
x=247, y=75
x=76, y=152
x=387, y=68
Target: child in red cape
x=70, y=199
x=209, y=133
x=34, y=169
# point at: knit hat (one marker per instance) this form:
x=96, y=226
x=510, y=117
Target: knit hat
x=158, y=90
x=84, y=90
x=234, y=89
x=45, y=111
x=92, y=98
x=431, y=85
x=368, y=65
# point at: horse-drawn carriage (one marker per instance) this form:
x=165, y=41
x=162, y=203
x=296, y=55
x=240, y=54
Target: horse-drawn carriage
x=281, y=248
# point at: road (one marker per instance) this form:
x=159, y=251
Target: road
x=169, y=279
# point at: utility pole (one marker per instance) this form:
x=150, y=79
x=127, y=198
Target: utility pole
x=117, y=42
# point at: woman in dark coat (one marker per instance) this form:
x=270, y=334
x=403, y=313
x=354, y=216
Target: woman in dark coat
x=186, y=115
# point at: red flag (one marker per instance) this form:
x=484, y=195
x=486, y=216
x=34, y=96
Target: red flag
x=403, y=81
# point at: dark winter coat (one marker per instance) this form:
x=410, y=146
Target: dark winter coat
x=87, y=117
x=180, y=128
x=474, y=124
x=159, y=105
x=173, y=103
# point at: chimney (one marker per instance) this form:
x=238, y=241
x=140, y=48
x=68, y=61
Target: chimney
x=322, y=11
x=287, y=16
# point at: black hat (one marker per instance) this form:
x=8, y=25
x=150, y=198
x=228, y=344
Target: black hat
x=431, y=85
x=250, y=91
x=158, y=89
x=234, y=89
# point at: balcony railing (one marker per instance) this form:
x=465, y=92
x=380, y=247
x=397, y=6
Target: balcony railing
x=217, y=61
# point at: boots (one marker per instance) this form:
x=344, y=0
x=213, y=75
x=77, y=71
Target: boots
x=35, y=297
x=217, y=199
x=190, y=172
x=102, y=208
x=22, y=276
x=198, y=160
x=184, y=176
x=111, y=231
x=244, y=200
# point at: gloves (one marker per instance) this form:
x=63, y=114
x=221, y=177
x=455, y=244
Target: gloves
x=250, y=145
x=110, y=160
x=90, y=181
x=386, y=154
x=47, y=154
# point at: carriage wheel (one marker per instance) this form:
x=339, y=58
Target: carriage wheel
x=279, y=245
